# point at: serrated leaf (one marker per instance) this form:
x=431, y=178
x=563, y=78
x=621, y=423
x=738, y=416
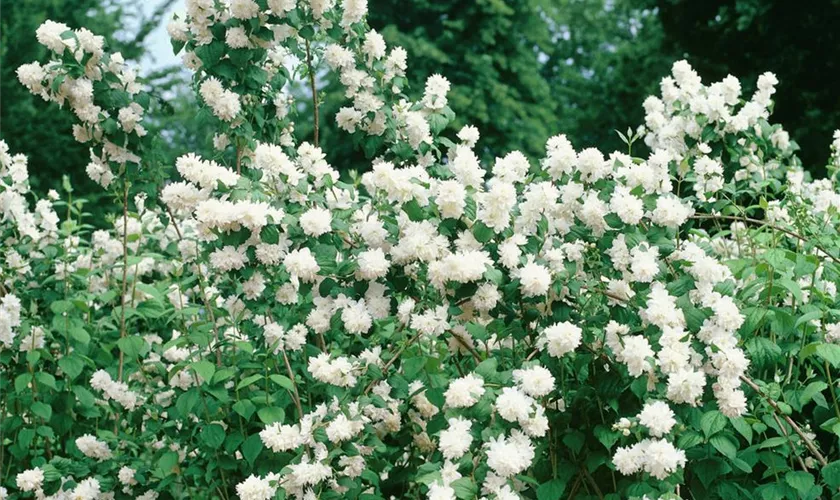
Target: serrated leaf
x=271, y=414
x=712, y=422
x=724, y=445
x=204, y=369
x=212, y=435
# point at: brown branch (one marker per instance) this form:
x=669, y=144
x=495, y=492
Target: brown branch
x=124, y=273
x=808, y=442
x=203, y=292
x=394, y=358
x=765, y=223
x=294, y=383
x=592, y=482
x=315, y=103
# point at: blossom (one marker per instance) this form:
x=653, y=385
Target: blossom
x=30, y=480
x=536, y=381
x=658, y=417
x=561, y=338
x=372, y=264
x=464, y=392
x=510, y=455
x=257, y=488
x=456, y=440
x=93, y=448
x=535, y=279
x=316, y=221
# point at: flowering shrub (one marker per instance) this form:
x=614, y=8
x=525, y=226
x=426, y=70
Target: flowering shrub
x=262, y=326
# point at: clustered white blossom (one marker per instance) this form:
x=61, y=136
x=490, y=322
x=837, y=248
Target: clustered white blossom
x=337, y=289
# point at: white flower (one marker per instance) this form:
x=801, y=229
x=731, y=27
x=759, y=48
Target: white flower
x=278, y=437
x=316, y=221
x=670, y=212
x=49, y=35
x=372, y=264
x=438, y=491
x=536, y=381
x=561, y=338
x=534, y=279
x=658, y=417
x=456, y=440
x=30, y=480
x=464, y=392
x=511, y=455
x=93, y=448
x=514, y=405
x=301, y=263
x=686, y=386
x=469, y=135
x=256, y=488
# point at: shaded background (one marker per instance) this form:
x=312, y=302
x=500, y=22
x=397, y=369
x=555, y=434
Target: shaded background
x=521, y=70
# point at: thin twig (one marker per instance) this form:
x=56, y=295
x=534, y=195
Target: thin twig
x=201, y=287
x=315, y=103
x=592, y=482
x=395, y=357
x=294, y=383
x=808, y=442
x=771, y=226
x=124, y=273
x=790, y=441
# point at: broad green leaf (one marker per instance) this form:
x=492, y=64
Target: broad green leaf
x=712, y=422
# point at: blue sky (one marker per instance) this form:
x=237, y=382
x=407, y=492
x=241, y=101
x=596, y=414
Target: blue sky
x=159, y=52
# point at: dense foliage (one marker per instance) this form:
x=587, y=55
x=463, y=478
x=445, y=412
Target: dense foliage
x=656, y=322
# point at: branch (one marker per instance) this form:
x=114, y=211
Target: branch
x=808, y=442
x=771, y=226
x=314, y=90
x=201, y=286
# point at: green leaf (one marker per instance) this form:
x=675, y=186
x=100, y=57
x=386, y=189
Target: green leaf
x=801, y=481
x=724, y=445
x=41, y=409
x=743, y=428
x=271, y=414
x=551, y=490
x=132, y=345
x=168, y=462
x=245, y=408
x=464, y=487
x=46, y=379
x=831, y=475
x=414, y=211
x=72, y=365
x=792, y=287
x=248, y=381
x=712, y=422
x=251, y=448
x=805, y=318
x=79, y=334
x=487, y=368
x=204, y=369
x=22, y=382
x=212, y=435
x=773, y=442
x=283, y=381
x=482, y=233
x=830, y=353
x=811, y=391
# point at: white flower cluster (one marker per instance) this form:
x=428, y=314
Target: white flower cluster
x=58, y=82
x=430, y=301
x=118, y=391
